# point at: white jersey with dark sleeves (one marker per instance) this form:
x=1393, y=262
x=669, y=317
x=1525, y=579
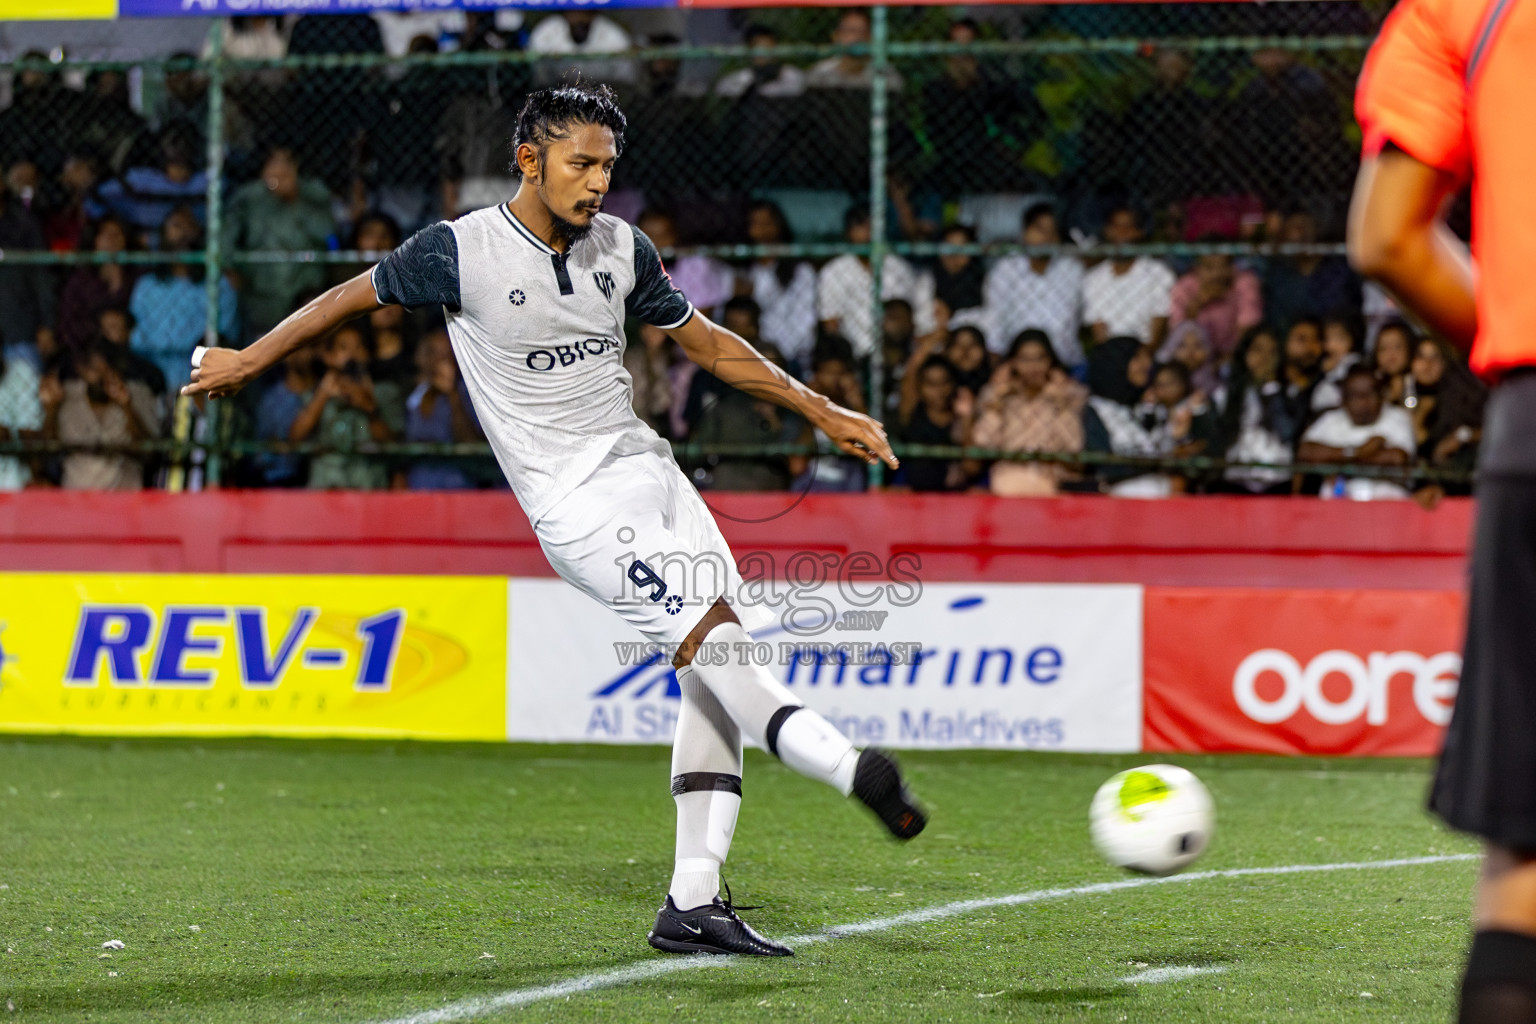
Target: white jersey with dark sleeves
x=540, y=337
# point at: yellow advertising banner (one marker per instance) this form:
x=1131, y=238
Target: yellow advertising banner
x=15, y=10
x=160, y=655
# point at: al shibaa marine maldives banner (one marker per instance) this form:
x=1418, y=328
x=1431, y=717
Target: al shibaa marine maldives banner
x=896, y=663
x=366, y=656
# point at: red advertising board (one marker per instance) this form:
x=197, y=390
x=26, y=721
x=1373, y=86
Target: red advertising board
x=1283, y=671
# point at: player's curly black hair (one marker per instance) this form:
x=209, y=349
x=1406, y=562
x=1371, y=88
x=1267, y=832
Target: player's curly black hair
x=549, y=114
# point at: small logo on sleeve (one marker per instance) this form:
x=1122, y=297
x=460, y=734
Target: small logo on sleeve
x=516, y=297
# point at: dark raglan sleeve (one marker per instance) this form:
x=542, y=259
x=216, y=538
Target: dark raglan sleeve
x=423, y=271
x=654, y=300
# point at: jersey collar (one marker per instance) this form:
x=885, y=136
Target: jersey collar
x=522, y=229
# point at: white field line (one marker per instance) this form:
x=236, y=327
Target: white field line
x=480, y=1006
x=1158, y=975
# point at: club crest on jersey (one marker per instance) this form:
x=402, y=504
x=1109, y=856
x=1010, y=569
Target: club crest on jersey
x=604, y=283
x=516, y=297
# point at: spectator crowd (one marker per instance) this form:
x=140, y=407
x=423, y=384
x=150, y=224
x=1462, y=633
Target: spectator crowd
x=1268, y=353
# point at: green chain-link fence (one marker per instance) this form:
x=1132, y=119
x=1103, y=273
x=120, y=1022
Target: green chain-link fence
x=856, y=191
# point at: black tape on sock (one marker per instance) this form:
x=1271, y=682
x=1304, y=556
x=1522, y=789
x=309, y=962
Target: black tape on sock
x=693, y=782
x=776, y=723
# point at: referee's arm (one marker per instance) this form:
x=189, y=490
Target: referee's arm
x=223, y=371
x=1398, y=236
x=727, y=356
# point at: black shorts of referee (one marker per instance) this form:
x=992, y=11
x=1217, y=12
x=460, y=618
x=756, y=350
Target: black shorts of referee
x=1486, y=780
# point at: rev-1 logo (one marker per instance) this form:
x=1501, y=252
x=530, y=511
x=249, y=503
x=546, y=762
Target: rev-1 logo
x=115, y=636
x=542, y=359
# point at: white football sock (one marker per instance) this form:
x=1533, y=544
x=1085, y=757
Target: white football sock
x=706, y=786
x=765, y=710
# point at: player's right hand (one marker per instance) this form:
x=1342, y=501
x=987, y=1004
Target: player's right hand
x=219, y=373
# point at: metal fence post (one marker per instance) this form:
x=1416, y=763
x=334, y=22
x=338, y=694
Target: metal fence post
x=212, y=262
x=879, y=67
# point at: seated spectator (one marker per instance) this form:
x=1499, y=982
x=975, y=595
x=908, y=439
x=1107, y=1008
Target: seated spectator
x=958, y=279
x=1307, y=285
x=928, y=417
x=376, y=233
x=847, y=71
x=784, y=289
x=34, y=125
x=1393, y=362
x=1189, y=346
x=650, y=366
x=279, y=211
x=969, y=108
x=89, y=289
x=114, y=329
x=276, y=412
x=897, y=337
x=1030, y=405
x=580, y=33
x=145, y=196
x=1342, y=335
x=21, y=417
x=346, y=409
x=394, y=348
x=1176, y=405
x=439, y=411
x=1448, y=419
x=1365, y=431
x=1302, y=368
x=834, y=374
x=98, y=407
x=1223, y=299
x=1043, y=292
x=704, y=388
x=733, y=417
x=1119, y=374
x=843, y=288
x=105, y=121
x=68, y=221
x=705, y=280
x=966, y=350
x=1256, y=424
x=1127, y=297
x=170, y=304
x=766, y=75
x=26, y=292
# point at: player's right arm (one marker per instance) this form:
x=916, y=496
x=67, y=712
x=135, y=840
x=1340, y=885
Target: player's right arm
x=424, y=271
x=224, y=371
x=1412, y=108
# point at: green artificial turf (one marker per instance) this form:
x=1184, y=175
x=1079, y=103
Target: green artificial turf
x=357, y=882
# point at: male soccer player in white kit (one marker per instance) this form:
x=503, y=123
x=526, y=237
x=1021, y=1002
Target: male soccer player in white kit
x=536, y=292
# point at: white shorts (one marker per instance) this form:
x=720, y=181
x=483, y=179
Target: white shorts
x=636, y=537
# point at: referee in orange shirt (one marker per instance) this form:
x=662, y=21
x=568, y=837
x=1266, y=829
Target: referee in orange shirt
x=1448, y=95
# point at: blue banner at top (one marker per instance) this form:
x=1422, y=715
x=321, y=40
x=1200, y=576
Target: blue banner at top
x=206, y=8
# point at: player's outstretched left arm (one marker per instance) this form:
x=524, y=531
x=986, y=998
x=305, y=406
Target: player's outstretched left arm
x=224, y=371
x=726, y=355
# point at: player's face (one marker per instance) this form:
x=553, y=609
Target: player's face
x=576, y=173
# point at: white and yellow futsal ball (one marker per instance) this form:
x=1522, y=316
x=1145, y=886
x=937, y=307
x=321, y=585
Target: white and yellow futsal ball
x=1155, y=819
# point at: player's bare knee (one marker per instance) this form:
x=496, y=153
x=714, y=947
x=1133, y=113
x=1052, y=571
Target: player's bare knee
x=718, y=613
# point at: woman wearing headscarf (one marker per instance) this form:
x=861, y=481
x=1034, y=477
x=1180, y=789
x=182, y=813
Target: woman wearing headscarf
x=1119, y=371
x=1448, y=418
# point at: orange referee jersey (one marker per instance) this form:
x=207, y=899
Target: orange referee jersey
x=1452, y=83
